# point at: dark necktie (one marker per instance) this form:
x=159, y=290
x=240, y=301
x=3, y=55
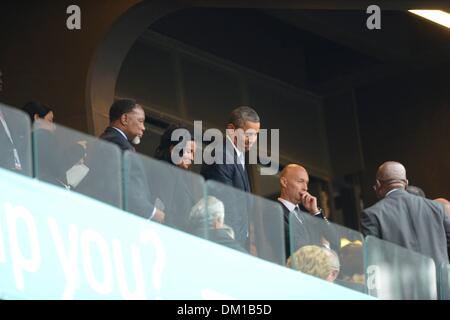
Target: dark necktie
x=297, y=214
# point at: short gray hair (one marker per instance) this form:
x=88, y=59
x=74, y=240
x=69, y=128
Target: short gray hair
x=240, y=115
x=334, y=259
x=207, y=211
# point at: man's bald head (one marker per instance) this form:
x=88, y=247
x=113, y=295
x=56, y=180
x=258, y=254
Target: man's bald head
x=391, y=170
x=390, y=175
x=294, y=181
x=291, y=169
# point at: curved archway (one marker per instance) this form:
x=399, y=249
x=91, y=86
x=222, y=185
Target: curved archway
x=105, y=66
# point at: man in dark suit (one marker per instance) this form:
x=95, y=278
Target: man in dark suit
x=415, y=223
x=127, y=126
x=296, y=201
x=242, y=129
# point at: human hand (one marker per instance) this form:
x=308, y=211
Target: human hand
x=310, y=203
x=159, y=216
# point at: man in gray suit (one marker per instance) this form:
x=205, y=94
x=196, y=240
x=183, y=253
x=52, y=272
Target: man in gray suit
x=415, y=223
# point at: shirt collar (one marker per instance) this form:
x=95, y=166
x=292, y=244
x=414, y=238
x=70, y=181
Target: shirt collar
x=238, y=152
x=289, y=205
x=121, y=132
x=392, y=191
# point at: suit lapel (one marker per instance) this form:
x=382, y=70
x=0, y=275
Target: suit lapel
x=126, y=142
x=231, y=152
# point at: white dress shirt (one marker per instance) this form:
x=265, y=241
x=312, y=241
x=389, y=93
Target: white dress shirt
x=239, y=154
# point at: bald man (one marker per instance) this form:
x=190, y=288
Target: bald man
x=294, y=181
x=399, y=217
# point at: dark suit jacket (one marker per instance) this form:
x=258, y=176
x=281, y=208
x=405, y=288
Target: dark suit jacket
x=219, y=236
x=412, y=222
x=112, y=135
x=233, y=175
x=138, y=198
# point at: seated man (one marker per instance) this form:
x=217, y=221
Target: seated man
x=295, y=200
x=206, y=220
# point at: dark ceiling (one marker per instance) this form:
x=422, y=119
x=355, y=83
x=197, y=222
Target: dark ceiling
x=314, y=49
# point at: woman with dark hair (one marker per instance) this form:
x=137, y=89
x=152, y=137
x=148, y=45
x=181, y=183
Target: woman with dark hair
x=41, y=113
x=37, y=110
x=166, y=150
x=178, y=190
x=56, y=161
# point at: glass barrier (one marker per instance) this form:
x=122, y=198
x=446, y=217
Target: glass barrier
x=326, y=250
x=78, y=162
x=152, y=185
x=395, y=273
x=444, y=282
x=15, y=141
x=255, y=222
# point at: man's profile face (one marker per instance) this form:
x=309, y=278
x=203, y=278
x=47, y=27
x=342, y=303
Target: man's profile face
x=247, y=135
x=134, y=123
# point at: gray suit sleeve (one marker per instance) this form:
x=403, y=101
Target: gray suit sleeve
x=370, y=225
x=447, y=227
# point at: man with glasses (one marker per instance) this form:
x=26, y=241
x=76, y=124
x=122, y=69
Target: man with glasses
x=415, y=223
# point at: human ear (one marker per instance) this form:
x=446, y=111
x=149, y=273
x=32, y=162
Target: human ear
x=124, y=119
x=283, y=182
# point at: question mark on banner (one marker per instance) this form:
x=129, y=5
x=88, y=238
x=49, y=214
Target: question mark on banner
x=149, y=236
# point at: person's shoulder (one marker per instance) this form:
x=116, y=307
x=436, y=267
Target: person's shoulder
x=283, y=206
x=113, y=136
x=376, y=208
x=376, y=205
x=108, y=134
x=436, y=207
x=221, y=236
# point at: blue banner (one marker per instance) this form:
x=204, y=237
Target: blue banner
x=56, y=244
